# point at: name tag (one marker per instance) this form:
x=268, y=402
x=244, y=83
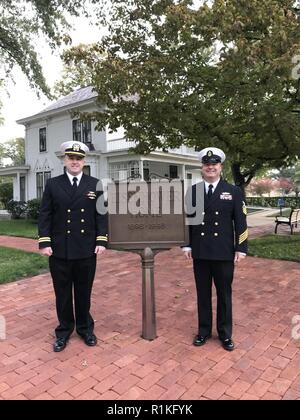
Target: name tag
x=226, y=196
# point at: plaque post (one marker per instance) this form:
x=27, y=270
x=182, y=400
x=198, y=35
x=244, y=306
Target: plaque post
x=148, y=295
x=147, y=233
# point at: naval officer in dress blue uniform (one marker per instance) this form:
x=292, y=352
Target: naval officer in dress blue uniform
x=217, y=243
x=72, y=233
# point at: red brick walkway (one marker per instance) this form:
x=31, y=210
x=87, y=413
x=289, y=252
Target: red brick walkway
x=28, y=245
x=265, y=364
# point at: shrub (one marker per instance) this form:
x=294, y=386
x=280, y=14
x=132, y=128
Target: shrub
x=6, y=193
x=273, y=201
x=33, y=208
x=16, y=208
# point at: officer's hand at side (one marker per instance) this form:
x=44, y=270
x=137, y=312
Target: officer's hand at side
x=239, y=256
x=188, y=254
x=46, y=252
x=100, y=250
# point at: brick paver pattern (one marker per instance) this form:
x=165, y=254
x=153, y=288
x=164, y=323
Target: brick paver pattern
x=265, y=364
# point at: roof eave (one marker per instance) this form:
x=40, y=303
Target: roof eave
x=45, y=114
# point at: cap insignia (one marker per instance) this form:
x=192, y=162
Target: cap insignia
x=76, y=147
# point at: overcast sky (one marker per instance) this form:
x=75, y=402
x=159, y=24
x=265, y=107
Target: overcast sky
x=22, y=101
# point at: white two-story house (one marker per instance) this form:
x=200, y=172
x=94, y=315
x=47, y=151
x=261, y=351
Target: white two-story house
x=109, y=155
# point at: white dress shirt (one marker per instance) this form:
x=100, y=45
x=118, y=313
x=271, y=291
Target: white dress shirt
x=71, y=177
x=214, y=184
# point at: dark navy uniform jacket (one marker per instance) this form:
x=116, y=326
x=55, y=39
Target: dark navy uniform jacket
x=68, y=223
x=224, y=228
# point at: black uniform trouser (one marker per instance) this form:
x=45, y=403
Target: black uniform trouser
x=222, y=274
x=66, y=275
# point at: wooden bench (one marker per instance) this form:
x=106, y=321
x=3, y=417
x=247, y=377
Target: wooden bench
x=292, y=221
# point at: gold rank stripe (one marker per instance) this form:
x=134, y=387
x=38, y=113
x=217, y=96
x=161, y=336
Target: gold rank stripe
x=45, y=239
x=243, y=236
x=101, y=238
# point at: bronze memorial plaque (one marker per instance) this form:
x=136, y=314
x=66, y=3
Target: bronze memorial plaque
x=146, y=214
x=146, y=218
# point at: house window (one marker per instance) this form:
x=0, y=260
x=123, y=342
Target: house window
x=47, y=175
x=39, y=184
x=173, y=171
x=146, y=172
x=43, y=139
x=134, y=169
x=123, y=171
x=76, y=130
x=86, y=132
x=87, y=170
x=41, y=179
x=82, y=131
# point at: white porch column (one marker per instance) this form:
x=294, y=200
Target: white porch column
x=183, y=172
x=18, y=187
x=141, y=169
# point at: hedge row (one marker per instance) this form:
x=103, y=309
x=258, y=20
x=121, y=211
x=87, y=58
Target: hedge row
x=19, y=209
x=273, y=201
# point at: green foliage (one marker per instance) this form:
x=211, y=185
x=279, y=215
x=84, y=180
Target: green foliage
x=1, y=151
x=16, y=208
x=13, y=149
x=273, y=201
x=33, y=208
x=22, y=227
x=23, y=22
x=297, y=177
x=6, y=193
x=74, y=76
x=281, y=247
x=217, y=73
x=15, y=264
x=291, y=173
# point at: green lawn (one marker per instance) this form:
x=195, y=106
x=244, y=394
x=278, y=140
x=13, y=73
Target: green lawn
x=280, y=247
x=15, y=264
x=23, y=228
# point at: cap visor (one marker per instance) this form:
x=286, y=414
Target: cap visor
x=75, y=154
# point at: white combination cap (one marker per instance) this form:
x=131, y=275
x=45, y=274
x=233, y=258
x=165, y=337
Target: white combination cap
x=212, y=155
x=76, y=148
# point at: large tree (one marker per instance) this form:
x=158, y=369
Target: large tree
x=23, y=22
x=14, y=150
x=201, y=73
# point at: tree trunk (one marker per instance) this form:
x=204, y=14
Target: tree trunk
x=241, y=180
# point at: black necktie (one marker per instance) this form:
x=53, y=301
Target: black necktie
x=74, y=186
x=210, y=191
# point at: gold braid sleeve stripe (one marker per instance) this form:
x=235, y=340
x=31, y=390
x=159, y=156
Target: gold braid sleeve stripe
x=45, y=239
x=101, y=238
x=243, y=236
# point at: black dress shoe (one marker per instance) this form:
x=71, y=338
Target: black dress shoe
x=60, y=344
x=228, y=344
x=199, y=340
x=90, y=340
